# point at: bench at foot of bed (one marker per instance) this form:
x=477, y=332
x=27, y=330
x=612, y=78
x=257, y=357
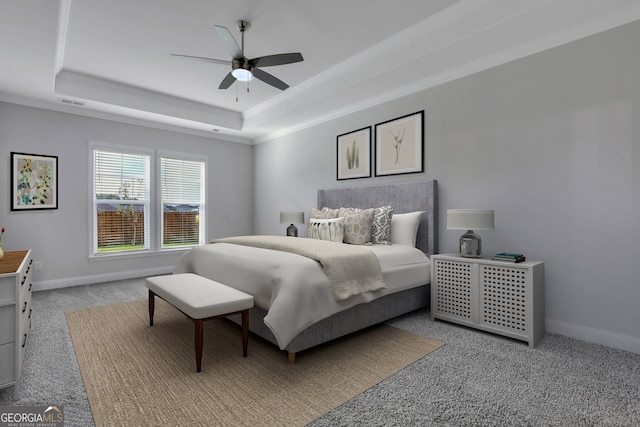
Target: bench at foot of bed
x=200, y=299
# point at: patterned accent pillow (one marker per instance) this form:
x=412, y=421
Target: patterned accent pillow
x=331, y=229
x=357, y=225
x=323, y=213
x=381, y=227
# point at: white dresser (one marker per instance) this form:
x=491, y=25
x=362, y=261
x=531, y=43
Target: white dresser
x=15, y=315
x=495, y=296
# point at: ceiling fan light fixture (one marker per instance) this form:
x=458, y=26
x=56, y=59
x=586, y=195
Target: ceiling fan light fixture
x=242, y=68
x=242, y=74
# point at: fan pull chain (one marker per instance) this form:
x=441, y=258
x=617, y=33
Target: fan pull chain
x=237, y=93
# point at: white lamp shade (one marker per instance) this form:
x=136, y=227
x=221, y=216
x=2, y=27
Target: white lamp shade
x=469, y=219
x=291, y=217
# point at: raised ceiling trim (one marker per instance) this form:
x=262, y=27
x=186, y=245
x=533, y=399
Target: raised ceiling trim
x=79, y=85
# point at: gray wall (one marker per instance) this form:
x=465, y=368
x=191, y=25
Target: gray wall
x=550, y=142
x=60, y=238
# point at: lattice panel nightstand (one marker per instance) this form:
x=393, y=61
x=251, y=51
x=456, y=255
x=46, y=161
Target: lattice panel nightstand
x=454, y=297
x=494, y=296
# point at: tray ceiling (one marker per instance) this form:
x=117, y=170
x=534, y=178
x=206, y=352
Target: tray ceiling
x=111, y=59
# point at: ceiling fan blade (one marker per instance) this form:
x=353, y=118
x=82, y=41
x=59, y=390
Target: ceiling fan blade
x=279, y=59
x=229, y=42
x=227, y=81
x=269, y=79
x=200, y=58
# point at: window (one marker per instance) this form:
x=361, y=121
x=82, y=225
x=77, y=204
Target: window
x=121, y=205
x=143, y=202
x=183, y=206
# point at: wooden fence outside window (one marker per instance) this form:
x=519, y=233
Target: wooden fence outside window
x=115, y=230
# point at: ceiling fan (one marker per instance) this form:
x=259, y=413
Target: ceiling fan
x=243, y=68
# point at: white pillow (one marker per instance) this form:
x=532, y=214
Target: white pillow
x=404, y=228
x=331, y=229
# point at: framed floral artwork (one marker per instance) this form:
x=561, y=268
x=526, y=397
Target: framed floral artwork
x=34, y=182
x=354, y=154
x=400, y=145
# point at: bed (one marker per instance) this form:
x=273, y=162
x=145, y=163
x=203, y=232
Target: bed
x=232, y=265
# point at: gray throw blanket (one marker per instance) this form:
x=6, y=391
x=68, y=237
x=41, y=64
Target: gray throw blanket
x=351, y=269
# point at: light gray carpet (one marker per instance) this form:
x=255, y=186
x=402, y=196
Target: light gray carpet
x=50, y=373
x=474, y=379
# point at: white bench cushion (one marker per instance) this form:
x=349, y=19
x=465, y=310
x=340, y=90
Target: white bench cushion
x=197, y=296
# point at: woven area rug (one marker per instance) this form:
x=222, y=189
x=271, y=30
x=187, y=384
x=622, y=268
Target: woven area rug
x=135, y=374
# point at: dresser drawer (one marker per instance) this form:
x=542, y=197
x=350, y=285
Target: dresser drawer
x=7, y=363
x=22, y=345
x=25, y=289
x=7, y=324
x=26, y=271
x=7, y=289
x=25, y=317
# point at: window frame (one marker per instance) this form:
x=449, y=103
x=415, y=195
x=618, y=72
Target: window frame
x=160, y=220
x=155, y=199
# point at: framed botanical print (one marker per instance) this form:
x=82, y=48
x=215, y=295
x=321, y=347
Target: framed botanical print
x=400, y=145
x=354, y=154
x=34, y=182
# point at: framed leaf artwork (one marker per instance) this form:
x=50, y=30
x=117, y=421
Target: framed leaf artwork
x=400, y=145
x=354, y=154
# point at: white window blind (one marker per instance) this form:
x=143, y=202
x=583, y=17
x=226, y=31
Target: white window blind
x=183, y=202
x=121, y=205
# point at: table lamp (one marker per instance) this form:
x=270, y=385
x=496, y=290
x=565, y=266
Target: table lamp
x=470, y=219
x=292, y=218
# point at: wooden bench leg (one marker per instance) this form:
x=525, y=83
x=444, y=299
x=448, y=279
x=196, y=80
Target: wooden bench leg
x=199, y=338
x=245, y=332
x=152, y=306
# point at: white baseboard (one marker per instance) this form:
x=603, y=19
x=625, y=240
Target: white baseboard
x=596, y=336
x=99, y=278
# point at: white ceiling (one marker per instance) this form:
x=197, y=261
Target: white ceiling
x=111, y=58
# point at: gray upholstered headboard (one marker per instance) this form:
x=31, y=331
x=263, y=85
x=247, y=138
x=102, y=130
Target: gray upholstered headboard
x=404, y=197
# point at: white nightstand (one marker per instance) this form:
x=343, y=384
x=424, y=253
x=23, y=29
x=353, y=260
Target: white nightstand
x=494, y=296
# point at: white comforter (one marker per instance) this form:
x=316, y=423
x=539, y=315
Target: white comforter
x=350, y=269
x=293, y=289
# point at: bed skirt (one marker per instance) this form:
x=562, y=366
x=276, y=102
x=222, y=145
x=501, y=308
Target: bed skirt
x=345, y=322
